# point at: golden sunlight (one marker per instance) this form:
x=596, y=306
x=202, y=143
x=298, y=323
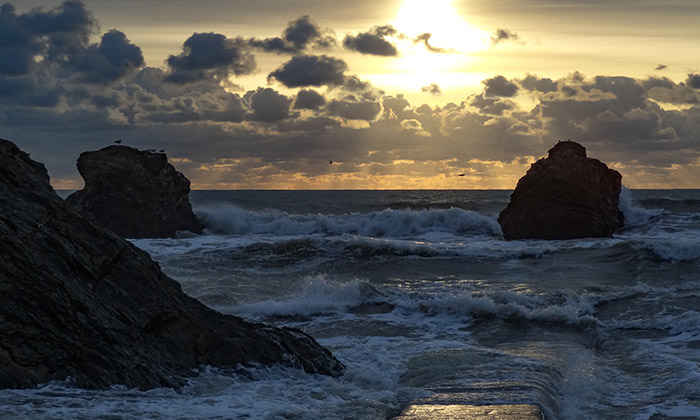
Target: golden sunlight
x=448, y=31
x=435, y=45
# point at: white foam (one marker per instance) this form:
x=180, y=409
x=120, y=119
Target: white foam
x=231, y=220
x=634, y=215
x=318, y=295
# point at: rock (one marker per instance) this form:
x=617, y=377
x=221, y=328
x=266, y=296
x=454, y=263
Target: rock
x=565, y=196
x=134, y=193
x=78, y=301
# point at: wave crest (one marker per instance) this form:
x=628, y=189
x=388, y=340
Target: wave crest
x=232, y=220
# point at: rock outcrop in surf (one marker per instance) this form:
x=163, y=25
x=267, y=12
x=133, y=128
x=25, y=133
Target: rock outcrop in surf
x=564, y=196
x=134, y=193
x=78, y=301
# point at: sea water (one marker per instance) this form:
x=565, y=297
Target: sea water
x=419, y=296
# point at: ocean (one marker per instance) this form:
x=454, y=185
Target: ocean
x=419, y=296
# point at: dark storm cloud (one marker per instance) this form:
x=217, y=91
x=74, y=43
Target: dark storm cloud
x=309, y=125
x=499, y=86
x=665, y=90
x=112, y=59
x=309, y=99
x=654, y=82
x=491, y=106
x=268, y=105
x=65, y=30
x=217, y=106
x=353, y=108
x=620, y=118
x=28, y=91
x=352, y=83
x=693, y=81
x=57, y=36
x=210, y=55
x=153, y=80
x=17, y=46
x=301, y=34
x=373, y=42
x=501, y=35
x=534, y=83
x=310, y=70
x=433, y=89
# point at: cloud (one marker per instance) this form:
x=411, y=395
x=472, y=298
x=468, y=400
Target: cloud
x=534, y=83
x=491, y=106
x=217, y=106
x=666, y=91
x=57, y=36
x=352, y=108
x=299, y=35
x=373, y=42
x=433, y=89
x=18, y=47
x=309, y=99
x=353, y=83
x=58, y=99
x=310, y=70
x=210, y=56
x=425, y=39
x=501, y=35
x=110, y=60
x=268, y=105
x=65, y=30
x=500, y=86
x=693, y=81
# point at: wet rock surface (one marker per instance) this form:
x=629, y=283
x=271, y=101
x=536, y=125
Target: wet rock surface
x=78, y=301
x=134, y=193
x=564, y=196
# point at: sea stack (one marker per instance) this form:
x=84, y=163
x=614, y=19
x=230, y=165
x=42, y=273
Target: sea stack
x=134, y=193
x=564, y=196
x=78, y=301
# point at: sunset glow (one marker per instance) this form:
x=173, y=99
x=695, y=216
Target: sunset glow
x=281, y=88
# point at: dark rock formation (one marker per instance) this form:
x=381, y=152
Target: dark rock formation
x=134, y=193
x=77, y=300
x=565, y=196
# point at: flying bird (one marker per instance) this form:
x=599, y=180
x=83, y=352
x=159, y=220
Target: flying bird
x=461, y=174
x=118, y=141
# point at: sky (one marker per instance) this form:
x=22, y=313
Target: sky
x=329, y=94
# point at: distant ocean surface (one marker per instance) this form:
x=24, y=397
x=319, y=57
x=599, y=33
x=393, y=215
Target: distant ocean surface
x=419, y=296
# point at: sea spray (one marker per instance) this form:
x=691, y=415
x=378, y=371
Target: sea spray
x=634, y=215
x=232, y=220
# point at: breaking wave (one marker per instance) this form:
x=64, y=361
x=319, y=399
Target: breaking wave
x=231, y=220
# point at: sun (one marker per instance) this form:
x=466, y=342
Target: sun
x=447, y=29
x=436, y=45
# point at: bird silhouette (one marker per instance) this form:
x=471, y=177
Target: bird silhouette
x=330, y=162
x=118, y=141
x=461, y=174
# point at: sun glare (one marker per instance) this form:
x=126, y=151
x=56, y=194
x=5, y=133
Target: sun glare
x=436, y=40
x=439, y=19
